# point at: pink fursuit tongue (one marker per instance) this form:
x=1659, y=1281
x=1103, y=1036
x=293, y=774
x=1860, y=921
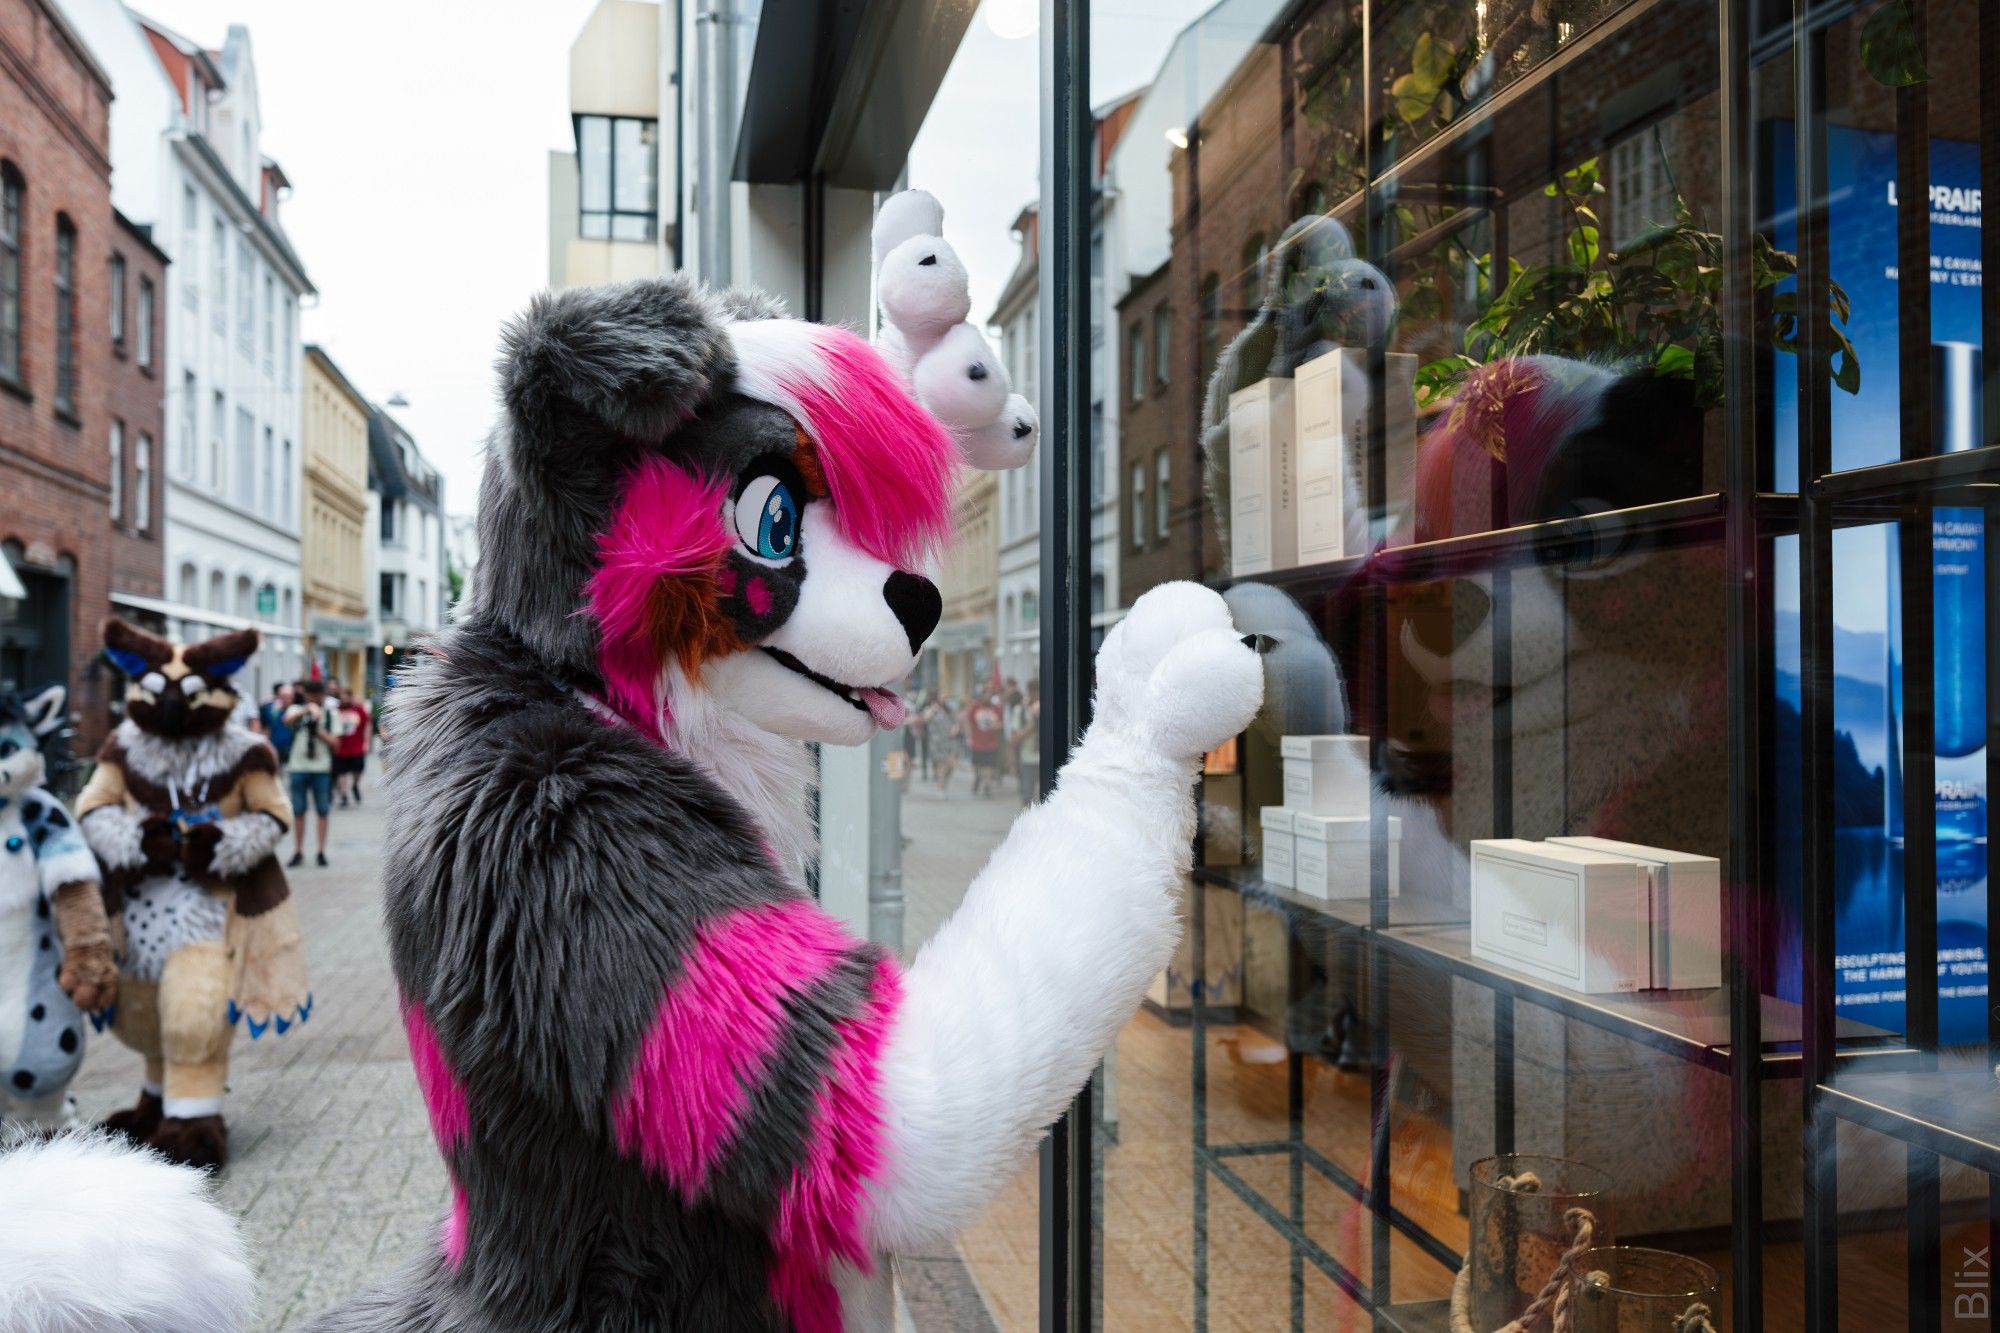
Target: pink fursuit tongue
x=885, y=706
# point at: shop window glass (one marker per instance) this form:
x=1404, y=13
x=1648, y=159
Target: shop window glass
x=968, y=760
x=1469, y=424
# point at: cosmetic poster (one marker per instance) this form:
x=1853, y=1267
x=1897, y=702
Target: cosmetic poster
x=1868, y=701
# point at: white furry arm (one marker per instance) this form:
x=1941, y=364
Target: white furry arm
x=1014, y=1000
x=113, y=833
x=104, y=1235
x=246, y=840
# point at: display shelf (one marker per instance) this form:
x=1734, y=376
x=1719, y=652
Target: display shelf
x=1347, y=913
x=1691, y=1025
x=1310, y=1158
x=1952, y=1112
x=1914, y=480
x=1694, y=517
x=1414, y=1317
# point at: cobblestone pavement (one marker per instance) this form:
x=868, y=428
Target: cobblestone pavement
x=332, y=1167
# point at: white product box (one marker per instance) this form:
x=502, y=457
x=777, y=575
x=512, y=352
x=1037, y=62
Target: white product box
x=1263, y=522
x=1278, y=846
x=1330, y=855
x=1573, y=917
x=1326, y=775
x=1331, y=397
x=1686, y=910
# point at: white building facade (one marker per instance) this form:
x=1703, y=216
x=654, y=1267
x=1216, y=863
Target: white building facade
x=186, y=163
x=412, y=591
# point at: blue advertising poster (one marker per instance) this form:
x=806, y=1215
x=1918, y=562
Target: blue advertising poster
x=1862, y=213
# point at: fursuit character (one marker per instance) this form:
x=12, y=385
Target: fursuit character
x=671, y=1092
x=184, y=811
x=55, y=949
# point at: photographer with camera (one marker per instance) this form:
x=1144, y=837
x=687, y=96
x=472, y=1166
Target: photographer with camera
x=317, y=726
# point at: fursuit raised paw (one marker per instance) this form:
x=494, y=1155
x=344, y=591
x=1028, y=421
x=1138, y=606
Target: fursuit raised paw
x=1175, y=677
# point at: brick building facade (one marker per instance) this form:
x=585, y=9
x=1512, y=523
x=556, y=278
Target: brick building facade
x=57, y=236
x=1160, y=539
x=137, y=407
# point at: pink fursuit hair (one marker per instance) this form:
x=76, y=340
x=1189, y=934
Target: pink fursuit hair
x=1507, y=420
x=888, y=464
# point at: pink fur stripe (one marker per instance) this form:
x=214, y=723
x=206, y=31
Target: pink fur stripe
x=455, y=1224
x=889, y=464
x=444, y=1096
x=819, y=1214
x=668, y=525
x=712, y=1038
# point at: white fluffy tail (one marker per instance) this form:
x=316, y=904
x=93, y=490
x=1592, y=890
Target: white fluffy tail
x=97, y=1236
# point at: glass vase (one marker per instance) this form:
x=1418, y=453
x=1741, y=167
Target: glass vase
x=1519, y=1203
x=1621, y=1289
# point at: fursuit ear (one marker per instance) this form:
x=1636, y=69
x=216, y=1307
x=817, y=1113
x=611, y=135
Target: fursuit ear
x=637, y=357
x=135, y=651
x=223, y=655
x=44, y=709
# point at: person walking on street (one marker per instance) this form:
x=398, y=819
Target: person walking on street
x=985, y=725
x=350, y=752
x=1025, y=736
x=316, y=728
x=271, y=718
x=945, y=731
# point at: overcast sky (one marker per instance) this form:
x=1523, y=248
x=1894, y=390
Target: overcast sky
x=416, y=134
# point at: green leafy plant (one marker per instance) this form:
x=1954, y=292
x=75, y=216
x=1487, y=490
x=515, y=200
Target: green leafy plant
x=1652, y=307
x=1890, y=51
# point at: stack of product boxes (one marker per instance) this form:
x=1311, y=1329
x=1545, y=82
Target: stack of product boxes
x=1316, y=843
x=1598, y=916
x=1295, y=455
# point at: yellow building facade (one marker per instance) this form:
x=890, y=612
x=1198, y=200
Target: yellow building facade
x=334, y=528
x=967, y=579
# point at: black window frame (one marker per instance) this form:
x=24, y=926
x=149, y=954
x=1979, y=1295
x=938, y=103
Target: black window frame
x=117, y=303
x=13, y=301
x=611, y=214
x=63, y=280
x=149, y=304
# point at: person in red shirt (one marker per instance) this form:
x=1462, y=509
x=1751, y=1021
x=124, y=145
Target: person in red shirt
x=350, y=752
x=985, y=727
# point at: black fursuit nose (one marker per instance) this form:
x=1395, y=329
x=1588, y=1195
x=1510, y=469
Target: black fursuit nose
x=916, y=602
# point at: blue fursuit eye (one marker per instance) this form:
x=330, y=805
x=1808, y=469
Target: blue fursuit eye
x=767, y=518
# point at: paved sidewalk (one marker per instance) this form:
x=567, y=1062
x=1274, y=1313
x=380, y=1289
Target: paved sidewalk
x=331, y=1161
